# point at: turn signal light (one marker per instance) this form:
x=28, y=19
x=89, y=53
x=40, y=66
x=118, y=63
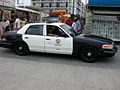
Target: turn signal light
x=107, y=46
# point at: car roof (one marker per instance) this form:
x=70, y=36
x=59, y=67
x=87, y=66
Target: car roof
x=22, y=30
x=45, y=23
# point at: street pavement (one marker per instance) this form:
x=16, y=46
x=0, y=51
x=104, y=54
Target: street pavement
x=39, y=71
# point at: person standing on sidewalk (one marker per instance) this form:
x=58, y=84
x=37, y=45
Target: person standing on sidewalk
x=7, y=25
x=2, y=27
x=74, y=25
x=22, y=22
x=80, y=26
x=17, y=23
x=69, y=22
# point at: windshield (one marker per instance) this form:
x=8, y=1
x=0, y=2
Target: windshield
x=69, y=30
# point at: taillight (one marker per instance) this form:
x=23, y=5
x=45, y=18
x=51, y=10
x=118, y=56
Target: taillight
x=3, y=38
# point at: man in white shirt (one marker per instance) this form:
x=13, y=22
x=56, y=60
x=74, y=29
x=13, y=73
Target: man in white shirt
x=17, y=23
x=7, y=25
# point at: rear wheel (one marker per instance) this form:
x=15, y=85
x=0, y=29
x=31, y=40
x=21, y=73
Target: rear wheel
x=89, y=54
x=21, y=48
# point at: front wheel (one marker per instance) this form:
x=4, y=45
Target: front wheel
x=89, y=54
x=21, y=48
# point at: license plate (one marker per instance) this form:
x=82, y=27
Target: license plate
x=4, y=39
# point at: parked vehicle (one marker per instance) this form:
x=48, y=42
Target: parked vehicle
x=57, y=38
x=60, y=15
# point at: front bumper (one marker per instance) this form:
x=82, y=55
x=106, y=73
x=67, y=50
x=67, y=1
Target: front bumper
x=108, y=52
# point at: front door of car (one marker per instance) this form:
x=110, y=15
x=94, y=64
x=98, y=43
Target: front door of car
x=59, y=43
x=34, y=38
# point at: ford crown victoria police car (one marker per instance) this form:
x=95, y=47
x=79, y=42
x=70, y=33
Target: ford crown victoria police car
x=57, y=38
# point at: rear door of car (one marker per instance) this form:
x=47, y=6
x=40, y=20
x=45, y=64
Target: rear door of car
x=34, y=37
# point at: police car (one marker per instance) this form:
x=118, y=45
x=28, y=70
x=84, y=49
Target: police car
x=57, y=38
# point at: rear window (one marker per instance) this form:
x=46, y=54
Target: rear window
x=35, y=30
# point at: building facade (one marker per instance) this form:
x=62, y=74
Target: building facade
x=72, y=6
x=103, y=18
x=7, y=3
x=6, y=6
x=22, y=2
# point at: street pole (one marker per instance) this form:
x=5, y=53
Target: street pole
x=73, y=7
x=3, y=10
x=17, y=1
x=54, y=4
x=3, y=2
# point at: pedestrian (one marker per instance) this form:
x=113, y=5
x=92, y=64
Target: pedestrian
x=82, y=24
x=23, y=22
x=12, y=24
x=7, y=25
x=17, y=23
x=79, y=26
x=2, y=27
x=74, y=25
x=26, y=21
x=69, y=22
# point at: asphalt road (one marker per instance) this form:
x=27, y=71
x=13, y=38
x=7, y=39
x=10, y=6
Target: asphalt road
x=57, y=72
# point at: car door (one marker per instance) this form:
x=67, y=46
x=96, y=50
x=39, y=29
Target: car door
x=34, y=38
x=62, y=44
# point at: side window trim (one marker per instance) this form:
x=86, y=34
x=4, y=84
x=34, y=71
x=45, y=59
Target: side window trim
x=64, y=31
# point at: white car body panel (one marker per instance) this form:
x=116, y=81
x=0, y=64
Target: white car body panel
x=59, y=45
x=34, y=42
x=48, y=44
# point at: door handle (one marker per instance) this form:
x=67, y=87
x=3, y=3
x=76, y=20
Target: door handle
x=26, y=37
x=47, y=39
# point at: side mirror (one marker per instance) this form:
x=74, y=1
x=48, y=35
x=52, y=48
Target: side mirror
x=72, y=35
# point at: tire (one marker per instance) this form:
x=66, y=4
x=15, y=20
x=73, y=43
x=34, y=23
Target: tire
x=21, y=48
x=89, y=54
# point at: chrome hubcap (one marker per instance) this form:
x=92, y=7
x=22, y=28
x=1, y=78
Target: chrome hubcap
x=89, y=54
x=20, y=48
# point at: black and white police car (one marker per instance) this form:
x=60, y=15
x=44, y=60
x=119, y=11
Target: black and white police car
x=60, y=40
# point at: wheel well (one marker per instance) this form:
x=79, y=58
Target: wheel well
x=20, y=42
x=89, y=46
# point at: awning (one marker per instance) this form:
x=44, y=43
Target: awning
x=28, y=10
x=6, y=7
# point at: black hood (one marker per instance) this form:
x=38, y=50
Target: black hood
x=94, y=38
x=99, y=38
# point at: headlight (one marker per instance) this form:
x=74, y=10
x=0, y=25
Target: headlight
x=107, y=46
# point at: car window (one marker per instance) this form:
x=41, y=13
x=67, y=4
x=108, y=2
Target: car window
x=55, y=31
x=35, y=30
x=69, y=30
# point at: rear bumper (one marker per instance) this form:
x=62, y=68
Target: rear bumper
x=5, y=44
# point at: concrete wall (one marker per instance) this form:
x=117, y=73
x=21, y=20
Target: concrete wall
x=88, y=22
